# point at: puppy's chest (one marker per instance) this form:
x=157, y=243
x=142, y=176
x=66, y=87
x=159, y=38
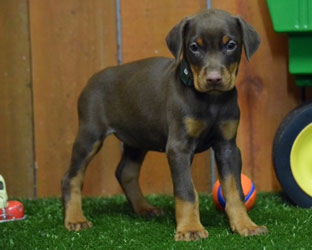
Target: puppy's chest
x=196, y=127
x=203, y=132
x=200, y=123
x=205, y=128
x=212, y=118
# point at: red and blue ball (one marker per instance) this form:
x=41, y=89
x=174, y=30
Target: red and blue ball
x=249, y=189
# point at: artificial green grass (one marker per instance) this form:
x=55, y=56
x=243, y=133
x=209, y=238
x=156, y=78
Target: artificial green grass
x=117, y=227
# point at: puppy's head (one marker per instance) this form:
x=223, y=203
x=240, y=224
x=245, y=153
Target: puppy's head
x=211, y=45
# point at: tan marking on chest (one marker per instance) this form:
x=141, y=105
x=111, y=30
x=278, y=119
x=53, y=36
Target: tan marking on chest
x=229, y=129
x=194, y=127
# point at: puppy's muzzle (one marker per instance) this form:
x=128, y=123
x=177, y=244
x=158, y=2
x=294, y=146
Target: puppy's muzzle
x=214, y=78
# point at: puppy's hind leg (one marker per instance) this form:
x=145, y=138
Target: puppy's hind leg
x=127, y=173
x=87, y=144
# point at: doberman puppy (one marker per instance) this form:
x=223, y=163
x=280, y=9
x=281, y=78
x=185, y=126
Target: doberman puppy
x=180, y=106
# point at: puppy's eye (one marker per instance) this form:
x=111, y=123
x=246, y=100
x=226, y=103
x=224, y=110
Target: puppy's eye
x=231, y=45
x=194, y=47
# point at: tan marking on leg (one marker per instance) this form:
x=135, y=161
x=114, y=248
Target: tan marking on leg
x=131, y=187
x=189, y=226
x=96, y=147
x=226, y=39
x=229, y=129
x=194, y=127
x=74, y=218
x=236, y=210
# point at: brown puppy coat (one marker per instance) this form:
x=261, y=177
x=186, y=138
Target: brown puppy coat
x=181, y=107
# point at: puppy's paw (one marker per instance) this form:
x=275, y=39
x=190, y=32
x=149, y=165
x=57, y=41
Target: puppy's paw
x=151, y=212
x=78, y=225
x=191, y=235
x=250, y=230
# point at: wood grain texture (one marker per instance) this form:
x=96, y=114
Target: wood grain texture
x=71, y=40
x=145, y=25
x=266, y=92
x=16, y=116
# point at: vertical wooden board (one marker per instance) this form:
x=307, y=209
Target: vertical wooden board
x=71, y=40
x=266, y=92
x=16, y=116
x=145, y=24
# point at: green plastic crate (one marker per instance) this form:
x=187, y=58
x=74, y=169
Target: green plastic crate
x=300, y=54
x=291, y=15
x=294, y=17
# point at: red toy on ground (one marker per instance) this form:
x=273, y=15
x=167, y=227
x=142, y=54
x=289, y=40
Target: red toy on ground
x=9, y=210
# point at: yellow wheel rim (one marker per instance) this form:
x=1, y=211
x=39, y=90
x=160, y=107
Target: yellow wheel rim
x=301, y=159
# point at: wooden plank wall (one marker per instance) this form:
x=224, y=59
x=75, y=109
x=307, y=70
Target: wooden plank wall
x=16, y=117
x=70, y=40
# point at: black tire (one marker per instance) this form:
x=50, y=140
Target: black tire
x=290, y=128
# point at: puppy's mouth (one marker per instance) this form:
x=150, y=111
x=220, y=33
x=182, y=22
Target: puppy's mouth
x=214, y=81
x=215, y=89
x=223, y=85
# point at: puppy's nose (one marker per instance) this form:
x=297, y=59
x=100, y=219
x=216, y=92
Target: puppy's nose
x=214, y=77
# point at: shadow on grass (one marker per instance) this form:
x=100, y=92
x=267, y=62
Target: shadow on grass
x=285, y=199
x=118, y=207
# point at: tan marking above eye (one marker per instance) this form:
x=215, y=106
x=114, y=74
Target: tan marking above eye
x=229, y=129
x=200, y=41
x=194, y=127
x=226, y=39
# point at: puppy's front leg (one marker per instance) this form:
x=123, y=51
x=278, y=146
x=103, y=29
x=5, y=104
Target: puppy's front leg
x=229, y=163
x=189, y=227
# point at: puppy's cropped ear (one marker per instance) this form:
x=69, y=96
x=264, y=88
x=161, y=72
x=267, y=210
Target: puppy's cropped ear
x=251, y=38
x=175, y=38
